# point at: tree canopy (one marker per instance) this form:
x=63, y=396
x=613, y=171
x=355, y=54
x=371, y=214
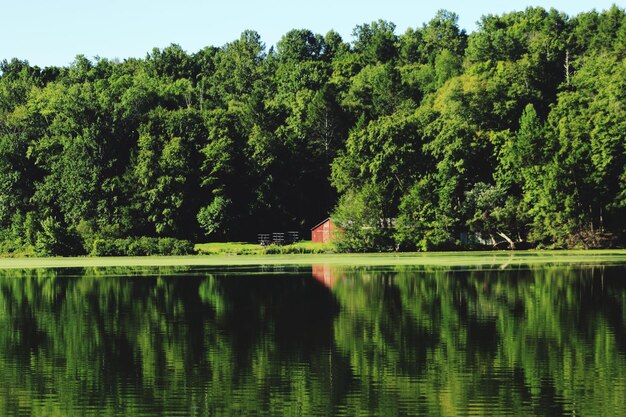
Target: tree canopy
x=512, y=135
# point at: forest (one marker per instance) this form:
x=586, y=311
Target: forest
x=511, y=136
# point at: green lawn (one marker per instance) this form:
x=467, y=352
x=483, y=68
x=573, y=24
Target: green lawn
x=501, y=259
x=215, y=248
x=241, y=248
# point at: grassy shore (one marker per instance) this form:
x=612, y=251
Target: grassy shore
x=450, y=259
x=242, y=248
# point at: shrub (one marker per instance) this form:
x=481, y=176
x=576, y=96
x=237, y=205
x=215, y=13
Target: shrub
x=54, y=239
x=365, y=225
x=141, y=246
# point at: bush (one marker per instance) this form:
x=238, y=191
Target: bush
x=141, y=246
x=353, y=239
x=365, y=225
x=15, y=248
x=54, y=239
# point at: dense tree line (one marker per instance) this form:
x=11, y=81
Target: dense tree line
x=431, y=139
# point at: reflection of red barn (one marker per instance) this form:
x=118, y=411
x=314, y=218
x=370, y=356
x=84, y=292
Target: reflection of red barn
x=323, y=232
x=325, y=274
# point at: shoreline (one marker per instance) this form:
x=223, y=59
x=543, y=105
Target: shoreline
x=451, y=259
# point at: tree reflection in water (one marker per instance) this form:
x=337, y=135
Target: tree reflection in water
x=322, y=341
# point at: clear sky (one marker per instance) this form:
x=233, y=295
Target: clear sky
x=53, y=32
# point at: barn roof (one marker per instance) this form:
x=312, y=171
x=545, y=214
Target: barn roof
x=320, y=223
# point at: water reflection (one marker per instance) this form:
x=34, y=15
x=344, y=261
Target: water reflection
x=325, y=340
x=326, y=274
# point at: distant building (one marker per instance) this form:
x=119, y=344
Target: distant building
x=324, y=232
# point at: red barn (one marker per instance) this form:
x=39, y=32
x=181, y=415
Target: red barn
x=323, y=232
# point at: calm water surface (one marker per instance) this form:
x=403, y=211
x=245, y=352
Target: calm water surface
x=314, y=341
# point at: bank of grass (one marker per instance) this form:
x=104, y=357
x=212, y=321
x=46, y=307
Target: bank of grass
x=440, y=259
x=241, y=248
x=228, y=248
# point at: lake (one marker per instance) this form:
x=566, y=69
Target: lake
x=314, y=340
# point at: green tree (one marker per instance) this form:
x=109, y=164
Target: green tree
x=376, y=41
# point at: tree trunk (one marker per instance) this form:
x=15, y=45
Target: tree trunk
x=508, y=239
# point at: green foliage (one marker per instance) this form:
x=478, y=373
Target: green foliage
x=491, y=214
x=213, y=216
x=421, y=225
x=300, y=45
x=516, y=129
x=53, y=239
x=364, y=225
x=376, y=41
x=141, y=246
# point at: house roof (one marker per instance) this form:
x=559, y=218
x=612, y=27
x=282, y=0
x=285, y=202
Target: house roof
x=320, y=223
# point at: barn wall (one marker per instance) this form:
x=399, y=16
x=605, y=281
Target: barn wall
x=324, y=232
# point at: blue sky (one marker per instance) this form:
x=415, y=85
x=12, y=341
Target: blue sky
x=53, y=32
